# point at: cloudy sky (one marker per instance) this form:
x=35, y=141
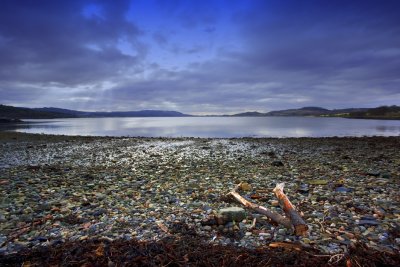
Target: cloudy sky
x=199, y=57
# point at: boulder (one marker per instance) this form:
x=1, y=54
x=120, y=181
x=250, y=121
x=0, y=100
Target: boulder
x=236, y=214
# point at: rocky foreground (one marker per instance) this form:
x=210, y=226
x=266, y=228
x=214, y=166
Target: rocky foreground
x=59, y=193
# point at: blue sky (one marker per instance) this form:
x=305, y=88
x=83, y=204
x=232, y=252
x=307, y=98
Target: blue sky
x=199, y=57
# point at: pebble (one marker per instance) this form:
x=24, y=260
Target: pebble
x=122, y=188
x=236, y=214
x=265, y=235
x=282, y=231
x=274, y=203
x=207, y=228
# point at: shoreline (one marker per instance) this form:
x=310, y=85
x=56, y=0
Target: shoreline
x=6, y=136
x=71, y=190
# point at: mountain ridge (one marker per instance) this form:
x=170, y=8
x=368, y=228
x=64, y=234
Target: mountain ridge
x=383, y=112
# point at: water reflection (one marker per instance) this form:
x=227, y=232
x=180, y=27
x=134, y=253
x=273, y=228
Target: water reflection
x=383, y=128
x=211, y=127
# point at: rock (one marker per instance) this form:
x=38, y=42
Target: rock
x=245, y=186
x=265, y=235
x=342, y=189
x=99, y=211
x=43, y=207
x=277, y=163
x=3, y=239
x=100, y=196
x=275, y=203
x=368, y=222
x=207, y=228
x=236, y=214
x=303, y=188
x=374, y=173
x=41, y=238
x=282, y=231
x=248, y=233
x=317, y=182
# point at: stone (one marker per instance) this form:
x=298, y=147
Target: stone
x=342, y=189
x=303, y=188
x=374, y=173
x=245, y=186
x=277, y=163
x=317, y=182
x=282, y=231
x=99, y=211
x=207, y=228
x=368, y=222
x=236, y=214
x=275, y=203
x=41, y=239
x=265, y=235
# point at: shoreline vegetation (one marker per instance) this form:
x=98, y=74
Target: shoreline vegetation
x=116, y=201
x=9, y=113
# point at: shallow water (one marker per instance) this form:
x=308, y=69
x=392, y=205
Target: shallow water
x=213, y=127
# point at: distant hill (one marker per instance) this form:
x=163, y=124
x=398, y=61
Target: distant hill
x=383, y=112
x=141, y=113
x=74, y=113
x=249, y=114
x=10, y=112
x=306, y=111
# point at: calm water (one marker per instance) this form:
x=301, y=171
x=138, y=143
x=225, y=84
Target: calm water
x=214, y=127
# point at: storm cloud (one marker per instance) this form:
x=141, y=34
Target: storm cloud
x=199, y=56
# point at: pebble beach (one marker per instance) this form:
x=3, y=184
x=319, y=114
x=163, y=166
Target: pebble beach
x=57, y=189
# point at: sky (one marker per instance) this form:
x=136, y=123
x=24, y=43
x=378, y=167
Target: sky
x=199, y=56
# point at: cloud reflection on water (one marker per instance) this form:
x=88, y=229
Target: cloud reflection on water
x=213, y=127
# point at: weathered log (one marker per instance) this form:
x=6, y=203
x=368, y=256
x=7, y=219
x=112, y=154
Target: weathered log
x=262, y=210
x=300, y=227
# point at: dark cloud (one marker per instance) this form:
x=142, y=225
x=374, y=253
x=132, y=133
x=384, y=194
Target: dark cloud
x=271, y=54
x=50, y=41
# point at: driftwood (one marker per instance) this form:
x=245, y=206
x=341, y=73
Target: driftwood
x=300, y=226
x=293, y=219
x=276, y=217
